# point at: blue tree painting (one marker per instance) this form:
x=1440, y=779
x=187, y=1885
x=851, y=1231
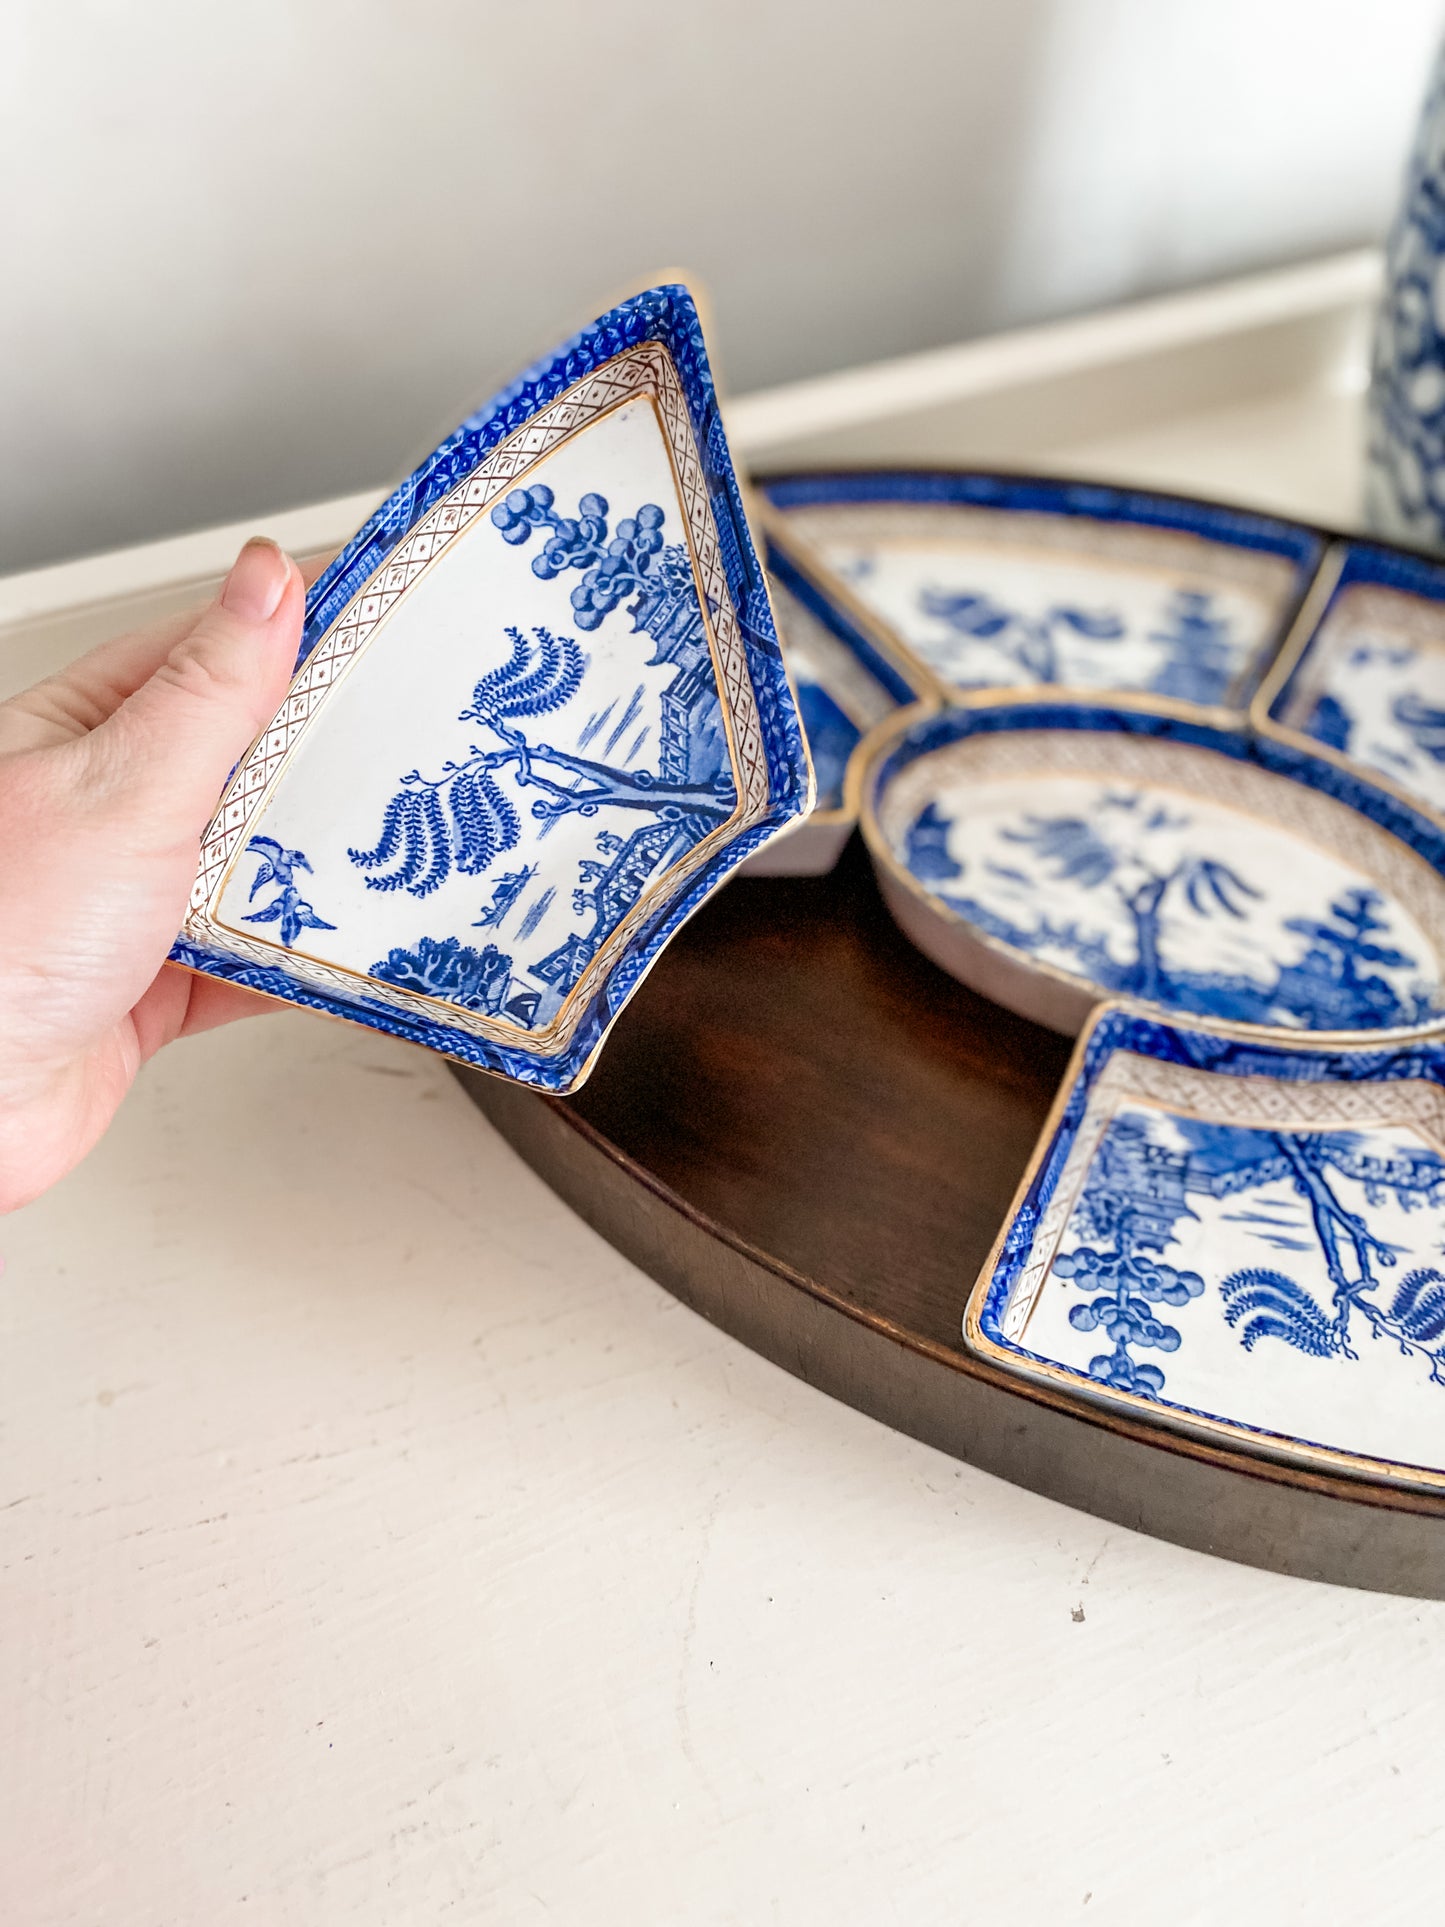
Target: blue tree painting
x=1335, y=983
x=1138, y=1190
x=1079, y=851
x=461, y=820
x=1028, y=644
x=1198, y=647
x=1192, y=655
x=464, y=818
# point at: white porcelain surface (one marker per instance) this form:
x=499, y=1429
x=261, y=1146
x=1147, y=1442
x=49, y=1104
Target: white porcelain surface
x=1372, y=686
x=1258, y=1250
x=1171, y=873
x=989, y=597
x=397, y=711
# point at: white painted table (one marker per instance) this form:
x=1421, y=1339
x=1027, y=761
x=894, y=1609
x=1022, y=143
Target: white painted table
x=379, y=1547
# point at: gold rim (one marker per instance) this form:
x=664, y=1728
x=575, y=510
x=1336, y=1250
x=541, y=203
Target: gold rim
x=1255, y=1442
x=888, y=733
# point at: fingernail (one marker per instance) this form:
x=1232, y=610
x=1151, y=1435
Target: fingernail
x=257, y=581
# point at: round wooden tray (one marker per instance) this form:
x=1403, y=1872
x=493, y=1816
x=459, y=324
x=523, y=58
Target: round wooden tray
x=811, y=1136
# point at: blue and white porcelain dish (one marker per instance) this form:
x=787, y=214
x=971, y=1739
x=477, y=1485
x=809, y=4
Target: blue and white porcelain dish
x=1005, y=582
x=539, y=713
x=846, y=681
x=1362, y=679
x=1054, y=854
x=1240, y=1238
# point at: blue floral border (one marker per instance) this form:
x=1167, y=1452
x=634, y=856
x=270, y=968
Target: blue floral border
x=666, y=315
x=1114, y=1030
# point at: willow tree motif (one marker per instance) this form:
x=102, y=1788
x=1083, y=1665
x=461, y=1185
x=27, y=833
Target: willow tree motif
x=1080, y=852
x=1029, y=644
x=1336, y=982
x=1263, y=1302
x=1139, y=1189
x=462, y=820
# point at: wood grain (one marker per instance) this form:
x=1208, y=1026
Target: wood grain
x=811, y=1136
x=842, y=1104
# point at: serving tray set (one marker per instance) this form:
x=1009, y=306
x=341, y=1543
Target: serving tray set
x=1153, y=774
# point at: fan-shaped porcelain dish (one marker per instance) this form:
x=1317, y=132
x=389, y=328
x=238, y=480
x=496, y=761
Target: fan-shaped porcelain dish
x=539, y=713
x=990, y=581
x=1240, y=1239
x=1361, y=680
x=1056, y=854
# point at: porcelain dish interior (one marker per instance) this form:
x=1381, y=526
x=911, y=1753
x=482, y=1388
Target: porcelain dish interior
x=1239, y=1238
x=1054, y=853
x=540, y=712
x=1362, y=679
x=990, y=581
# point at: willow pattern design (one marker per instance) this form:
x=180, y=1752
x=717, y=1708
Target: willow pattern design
x=1336, y=979
x=1139, y=1189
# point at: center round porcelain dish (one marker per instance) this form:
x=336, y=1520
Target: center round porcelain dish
x=1052, y=854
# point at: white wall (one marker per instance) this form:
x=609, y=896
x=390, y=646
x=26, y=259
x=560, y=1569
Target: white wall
x=262, y=252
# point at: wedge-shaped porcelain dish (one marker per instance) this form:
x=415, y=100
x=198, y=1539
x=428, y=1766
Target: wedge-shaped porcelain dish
x=1004, y=582
x=539, y=714
x=1362, y=677
x=1054, y=854
x=1241, y=1239
x=846, y=681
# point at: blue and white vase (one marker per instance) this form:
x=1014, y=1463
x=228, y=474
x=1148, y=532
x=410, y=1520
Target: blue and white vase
x=1405, y=467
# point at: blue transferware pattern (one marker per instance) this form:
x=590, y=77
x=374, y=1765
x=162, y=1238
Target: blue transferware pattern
x=1368, y=682
x=288, y=909
x=1405, y=467
x=844, y=685
x=832, y=738
x=540, y=696
x=1176, y=864
x=1238, y=1234
x=995, y=583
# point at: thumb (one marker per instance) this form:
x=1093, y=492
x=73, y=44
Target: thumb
x=169, y=747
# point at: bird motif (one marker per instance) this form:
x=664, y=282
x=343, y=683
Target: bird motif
x=277, y=864
x=290, y=909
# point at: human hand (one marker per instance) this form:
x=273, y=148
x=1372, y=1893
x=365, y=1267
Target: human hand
x=109, y=773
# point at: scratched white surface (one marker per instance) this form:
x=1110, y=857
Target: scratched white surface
x=379, y=1547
